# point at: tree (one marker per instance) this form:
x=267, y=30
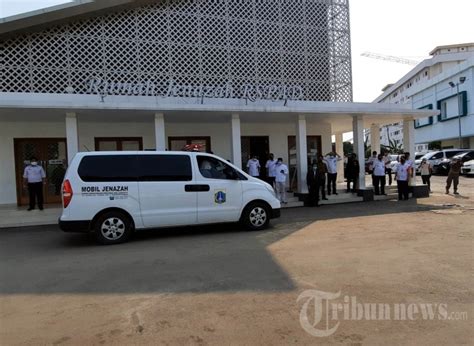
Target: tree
x=394, y=147
x=436, y=145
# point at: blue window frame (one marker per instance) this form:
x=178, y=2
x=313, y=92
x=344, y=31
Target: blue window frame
x=442, y=106
x=419, y=124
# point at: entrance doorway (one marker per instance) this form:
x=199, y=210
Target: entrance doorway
x=52, y=156
x=313, y=144
x=255, y=145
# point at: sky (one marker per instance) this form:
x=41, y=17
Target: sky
x=402, y=28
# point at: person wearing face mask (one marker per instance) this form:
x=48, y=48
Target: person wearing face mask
x=253, y=167
x=34, y=178
x=313, y=184
x=331, y=162
x=280, y=180
x=321, y=171
x=271, y=173
x=379, y=175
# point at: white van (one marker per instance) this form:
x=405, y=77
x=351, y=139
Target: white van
x=114, y=193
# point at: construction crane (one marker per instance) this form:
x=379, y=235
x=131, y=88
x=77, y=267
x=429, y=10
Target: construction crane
x=390, y=58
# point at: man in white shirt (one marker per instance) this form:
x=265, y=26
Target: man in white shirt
x=280, y=180
x=371, y=161
x=402, y=179
x=379, y=175
x=271, y=172
x=331, y=162
x=34, y=178
x=253, y=167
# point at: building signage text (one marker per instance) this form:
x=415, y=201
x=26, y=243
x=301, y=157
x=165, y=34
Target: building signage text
x=172, y=89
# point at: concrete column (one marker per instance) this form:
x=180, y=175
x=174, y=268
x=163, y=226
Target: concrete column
x=236, y=146
x=340, y=151
x=375, y=138
x=160, y=135
x=301, y=154
x=72, y=138
x=409, y=143
x=358, y=135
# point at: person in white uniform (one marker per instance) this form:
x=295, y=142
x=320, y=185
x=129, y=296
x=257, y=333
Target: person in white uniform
x=331, y=162
x=253, y=167
x=280, y=180
x=379, y=175
x=271, y=172
x=34, y=178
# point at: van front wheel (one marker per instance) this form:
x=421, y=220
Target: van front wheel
x=112, y=228
x=256, y=216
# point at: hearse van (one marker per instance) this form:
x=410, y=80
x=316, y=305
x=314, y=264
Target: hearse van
x=113, y=194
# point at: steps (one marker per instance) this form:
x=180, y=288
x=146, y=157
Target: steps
x=391, y=191
x=341, y=197
x=293, y=202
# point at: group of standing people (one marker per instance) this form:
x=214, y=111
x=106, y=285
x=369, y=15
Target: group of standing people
x=316, y=179
x=380, y=167
x=322, y=174
x=276, y=174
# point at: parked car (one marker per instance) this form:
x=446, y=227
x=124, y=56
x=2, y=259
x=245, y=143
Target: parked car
x=112, y=194
x=445, y=164
x=440, y=160
x=464, y=157
x=468, y=168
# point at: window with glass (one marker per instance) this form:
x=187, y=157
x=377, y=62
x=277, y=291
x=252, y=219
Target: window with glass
x=118, y=143
x=453, y=106
x=202, y=144
x=104, y=168
x=164, y=168
x=213, y=168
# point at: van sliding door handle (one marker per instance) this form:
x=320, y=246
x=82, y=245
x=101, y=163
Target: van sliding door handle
x=197, y=188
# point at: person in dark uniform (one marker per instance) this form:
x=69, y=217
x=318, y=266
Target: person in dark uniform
x=313, y=184
x=34, y=178
x=352, y=173
x=321, y=170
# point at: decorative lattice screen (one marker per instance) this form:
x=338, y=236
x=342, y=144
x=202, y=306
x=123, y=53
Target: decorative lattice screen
x=192, y=43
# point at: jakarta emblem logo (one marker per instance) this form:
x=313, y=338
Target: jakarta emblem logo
x=219, y=197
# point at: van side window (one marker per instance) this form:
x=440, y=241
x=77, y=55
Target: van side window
x=212, y=168
x=104, y=168
x=437, y=156
x=164, y=168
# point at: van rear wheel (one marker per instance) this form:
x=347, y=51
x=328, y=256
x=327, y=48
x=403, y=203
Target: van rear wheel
x=256, y=216
x=112, y=227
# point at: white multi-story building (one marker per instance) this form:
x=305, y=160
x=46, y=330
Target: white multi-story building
x=239, y=78
x=444, y=82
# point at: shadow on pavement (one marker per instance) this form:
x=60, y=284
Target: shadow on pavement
x=211, y=258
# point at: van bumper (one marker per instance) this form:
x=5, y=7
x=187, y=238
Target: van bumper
x=275, y=213
x=74, y=226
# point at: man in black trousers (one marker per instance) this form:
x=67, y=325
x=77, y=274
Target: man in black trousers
x=34, y=177
x=313, y=184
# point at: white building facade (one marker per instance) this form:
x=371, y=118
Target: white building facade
x=445, y=83
x=235, y=78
